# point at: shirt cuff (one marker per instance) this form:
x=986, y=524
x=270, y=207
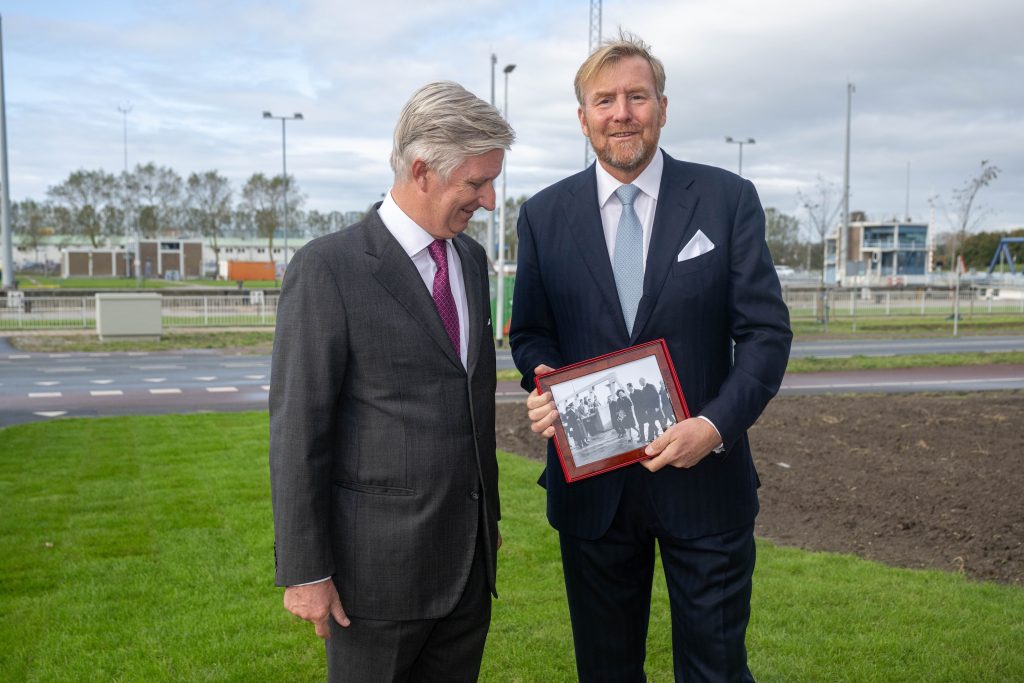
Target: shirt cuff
x=720, y=448
x=310, y=583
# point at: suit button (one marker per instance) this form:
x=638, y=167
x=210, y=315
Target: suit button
x=474, y=495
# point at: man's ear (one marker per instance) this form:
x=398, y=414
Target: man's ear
x=420, y=172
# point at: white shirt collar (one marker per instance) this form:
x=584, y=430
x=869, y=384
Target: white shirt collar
x=648, y=181
x=409, y=234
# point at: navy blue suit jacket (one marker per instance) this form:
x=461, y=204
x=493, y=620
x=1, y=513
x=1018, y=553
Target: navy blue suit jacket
x=721, y=314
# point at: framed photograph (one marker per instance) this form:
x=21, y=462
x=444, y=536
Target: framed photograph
x=611, y=407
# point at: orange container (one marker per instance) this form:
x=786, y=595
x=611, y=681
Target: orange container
x=250, y=270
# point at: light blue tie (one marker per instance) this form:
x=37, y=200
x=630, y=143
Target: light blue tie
x=628, y=263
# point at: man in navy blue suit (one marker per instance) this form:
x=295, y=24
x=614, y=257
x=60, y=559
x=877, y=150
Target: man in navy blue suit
x=637, y=247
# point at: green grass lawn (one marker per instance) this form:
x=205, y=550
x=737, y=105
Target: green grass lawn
x=141, y=549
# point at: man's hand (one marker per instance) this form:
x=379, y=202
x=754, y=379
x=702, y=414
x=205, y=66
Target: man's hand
x=682, y=445
x=541, y=408
x=316, y=603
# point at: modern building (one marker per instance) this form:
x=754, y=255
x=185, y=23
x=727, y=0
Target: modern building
x=880, y=254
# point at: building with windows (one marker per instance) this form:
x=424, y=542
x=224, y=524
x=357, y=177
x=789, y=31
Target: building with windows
x=880, y=254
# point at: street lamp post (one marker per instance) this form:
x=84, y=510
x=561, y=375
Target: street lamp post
x=499, y=328
x=493, y=216
x=124, y=109
x=284, y=176
x=748, y=141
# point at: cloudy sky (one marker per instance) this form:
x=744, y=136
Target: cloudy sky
x=938, y=85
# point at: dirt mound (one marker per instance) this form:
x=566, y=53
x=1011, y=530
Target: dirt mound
x=912, y=480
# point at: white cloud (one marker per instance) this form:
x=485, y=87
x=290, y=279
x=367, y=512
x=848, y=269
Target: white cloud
x=936, y=86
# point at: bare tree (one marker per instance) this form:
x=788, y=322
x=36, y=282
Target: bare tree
x=782, y=233
x=822, y=204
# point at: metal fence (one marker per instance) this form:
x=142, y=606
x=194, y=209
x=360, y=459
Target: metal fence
x=896, y=303
x=258, y=309
x=254, y=309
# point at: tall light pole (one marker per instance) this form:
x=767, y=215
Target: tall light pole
x=490, y=224
x=844, y=227
x=499, y=328
x=124, y=109
x=748, y=141
x=5, y=191
x=284, y=175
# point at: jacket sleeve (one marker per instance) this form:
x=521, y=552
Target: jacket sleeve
x=307, y=371
x=759, y=324
x=533, y=334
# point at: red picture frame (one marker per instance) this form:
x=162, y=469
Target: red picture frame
x=594, y=432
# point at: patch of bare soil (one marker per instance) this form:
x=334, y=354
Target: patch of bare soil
x=912, y=480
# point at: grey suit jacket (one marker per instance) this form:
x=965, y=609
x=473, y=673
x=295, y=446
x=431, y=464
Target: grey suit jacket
x=382, y=451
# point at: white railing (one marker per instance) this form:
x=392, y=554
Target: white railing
x=259, y=309
x=255, y=308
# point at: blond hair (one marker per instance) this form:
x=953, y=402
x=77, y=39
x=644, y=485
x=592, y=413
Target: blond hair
x=610, y=52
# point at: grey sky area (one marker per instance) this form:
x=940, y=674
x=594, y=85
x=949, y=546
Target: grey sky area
x=939, y=85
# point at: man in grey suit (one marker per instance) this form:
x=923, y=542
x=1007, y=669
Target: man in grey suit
x=382, y=452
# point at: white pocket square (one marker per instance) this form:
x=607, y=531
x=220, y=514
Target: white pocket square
x=698, y=244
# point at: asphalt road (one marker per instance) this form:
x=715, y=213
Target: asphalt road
x=41, y=386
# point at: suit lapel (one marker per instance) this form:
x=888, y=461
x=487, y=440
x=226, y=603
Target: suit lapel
x=471, y=276
x=584, y=220
x=672, y=226
x=398, y=275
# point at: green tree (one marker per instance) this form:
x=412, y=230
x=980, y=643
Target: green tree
x=155, y=193
x=30, y=223
x=208, y=206
x=782, y=232
x=263, y=205
x=85, y=205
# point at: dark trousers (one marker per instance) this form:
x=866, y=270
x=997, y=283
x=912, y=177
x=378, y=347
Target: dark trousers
x=448, y=649
x=608, y=583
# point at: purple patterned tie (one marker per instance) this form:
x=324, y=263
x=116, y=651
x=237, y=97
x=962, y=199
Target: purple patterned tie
x=443, y=299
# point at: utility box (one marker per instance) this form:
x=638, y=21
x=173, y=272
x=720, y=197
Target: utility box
x=129, y=314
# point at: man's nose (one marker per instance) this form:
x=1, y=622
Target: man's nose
x=487, y=197
x=622, y=111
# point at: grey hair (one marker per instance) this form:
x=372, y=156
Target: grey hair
x=443, y=124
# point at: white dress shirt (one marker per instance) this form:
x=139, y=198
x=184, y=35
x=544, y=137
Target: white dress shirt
x=645, y=204
x=414, y=241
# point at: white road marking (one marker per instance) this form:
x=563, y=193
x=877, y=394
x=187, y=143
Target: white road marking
x=205, y=379
x=221, y=390
x=106, y=392
x=918, y=383
x=51, y=371
x=255, y=376
x=101, y=381
x=45, y=394
x=50, y=383
x=19, y=356
x=265, y=387
x=138, y=353
x=155, y=379
x=60, y=355
x=157, y=367
x=99, y=355
x=165, y=391
x=51, y=413
x=249, y=364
